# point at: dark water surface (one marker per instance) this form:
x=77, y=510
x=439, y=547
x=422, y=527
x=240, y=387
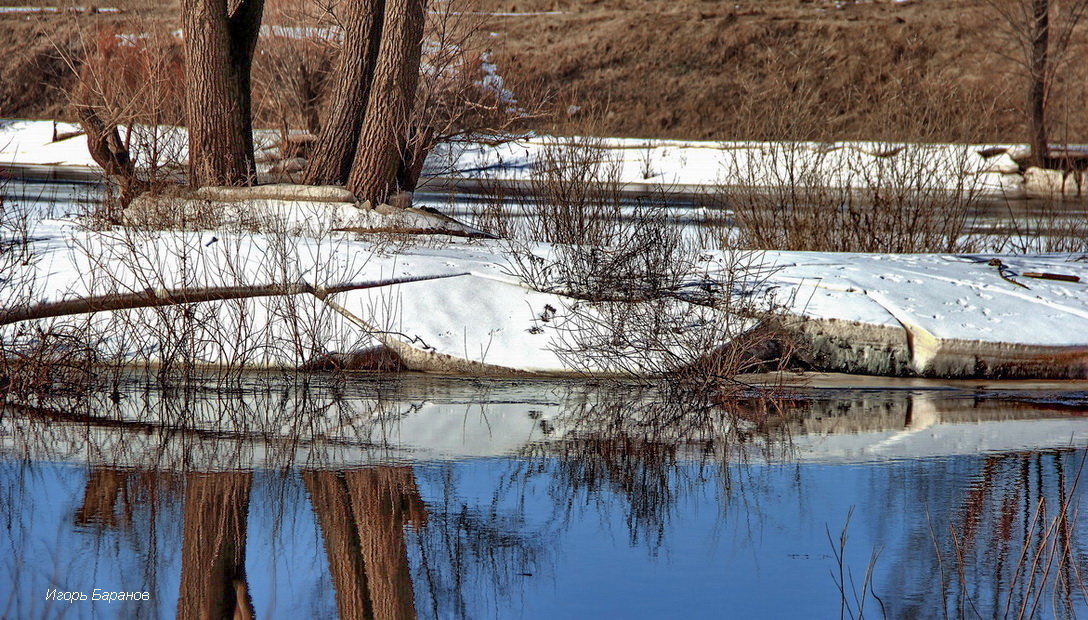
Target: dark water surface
x=455, y=498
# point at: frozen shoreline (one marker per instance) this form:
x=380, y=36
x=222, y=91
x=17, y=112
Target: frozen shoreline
x=926, y=315
x=641, y=165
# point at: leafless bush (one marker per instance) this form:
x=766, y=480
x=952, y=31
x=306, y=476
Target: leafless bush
x=292, y=63
x=865, y=198
x=597, y=251
x=1048, y=225
x=129, y=98
x=461, y=98
x=645, y=301
x=215, y=339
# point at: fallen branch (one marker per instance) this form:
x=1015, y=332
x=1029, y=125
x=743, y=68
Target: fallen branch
x=1050, y=276
x=151, y=298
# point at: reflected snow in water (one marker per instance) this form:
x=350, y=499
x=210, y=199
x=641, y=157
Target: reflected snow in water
x=416, y=496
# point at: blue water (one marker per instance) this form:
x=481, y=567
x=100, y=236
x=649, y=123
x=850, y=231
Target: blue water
x=598, y=525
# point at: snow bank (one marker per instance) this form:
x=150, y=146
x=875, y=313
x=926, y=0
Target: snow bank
x=926, y=315
x=688, y=165
x=285, y=209
x=943, y=315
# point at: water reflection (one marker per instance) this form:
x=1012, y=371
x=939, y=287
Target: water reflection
x=435, y=498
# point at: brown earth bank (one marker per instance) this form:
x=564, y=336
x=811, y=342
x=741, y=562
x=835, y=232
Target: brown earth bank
x=927, y=70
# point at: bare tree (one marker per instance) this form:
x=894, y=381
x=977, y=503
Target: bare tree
x=1037, y=91
x=128, y=96
x=220, y=39
x=392, y=97
x=351, y=81
x=460, y=97
x=1043, y=31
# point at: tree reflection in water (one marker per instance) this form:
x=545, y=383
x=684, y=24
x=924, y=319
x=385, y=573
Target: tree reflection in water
x=363, y=514
x=213, y=570
x=987, y=535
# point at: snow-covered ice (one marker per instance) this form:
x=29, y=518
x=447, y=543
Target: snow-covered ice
x=937, y=315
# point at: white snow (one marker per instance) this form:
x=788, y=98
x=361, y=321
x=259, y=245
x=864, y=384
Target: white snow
x=691, y=164
x=490, y=317
x=951, y=313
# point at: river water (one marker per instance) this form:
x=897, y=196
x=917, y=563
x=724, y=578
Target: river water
x=420, y=496
x=430, y=497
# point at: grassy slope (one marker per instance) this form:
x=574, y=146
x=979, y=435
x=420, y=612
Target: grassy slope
x=928, y=70
x=932, y=69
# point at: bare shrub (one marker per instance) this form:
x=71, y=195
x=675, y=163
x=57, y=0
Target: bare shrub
x=292, y=64
x=598, y=252
x=129, y=98
x=1039, y=37
x=876, y=197
x=47, y=357
x=37, y=73
x=1043, y=226
x=278, y=324
x=461, y=98
x=648, y=304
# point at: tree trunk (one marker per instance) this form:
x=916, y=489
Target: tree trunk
x=108, y=150
x=213, y=572
x=219, y=47
x=416, y=149
x=392, y=95
x=1040, y=42
x=334, y=152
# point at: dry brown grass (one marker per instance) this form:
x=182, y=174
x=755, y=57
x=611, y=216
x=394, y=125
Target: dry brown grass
x=702, y=70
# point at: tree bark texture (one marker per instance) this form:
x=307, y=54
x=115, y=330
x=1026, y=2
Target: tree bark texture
x=351, y=80
x=413, y=157
x=1040, y=44
x=389, y=107
x=213, y=573
x=219, y=46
